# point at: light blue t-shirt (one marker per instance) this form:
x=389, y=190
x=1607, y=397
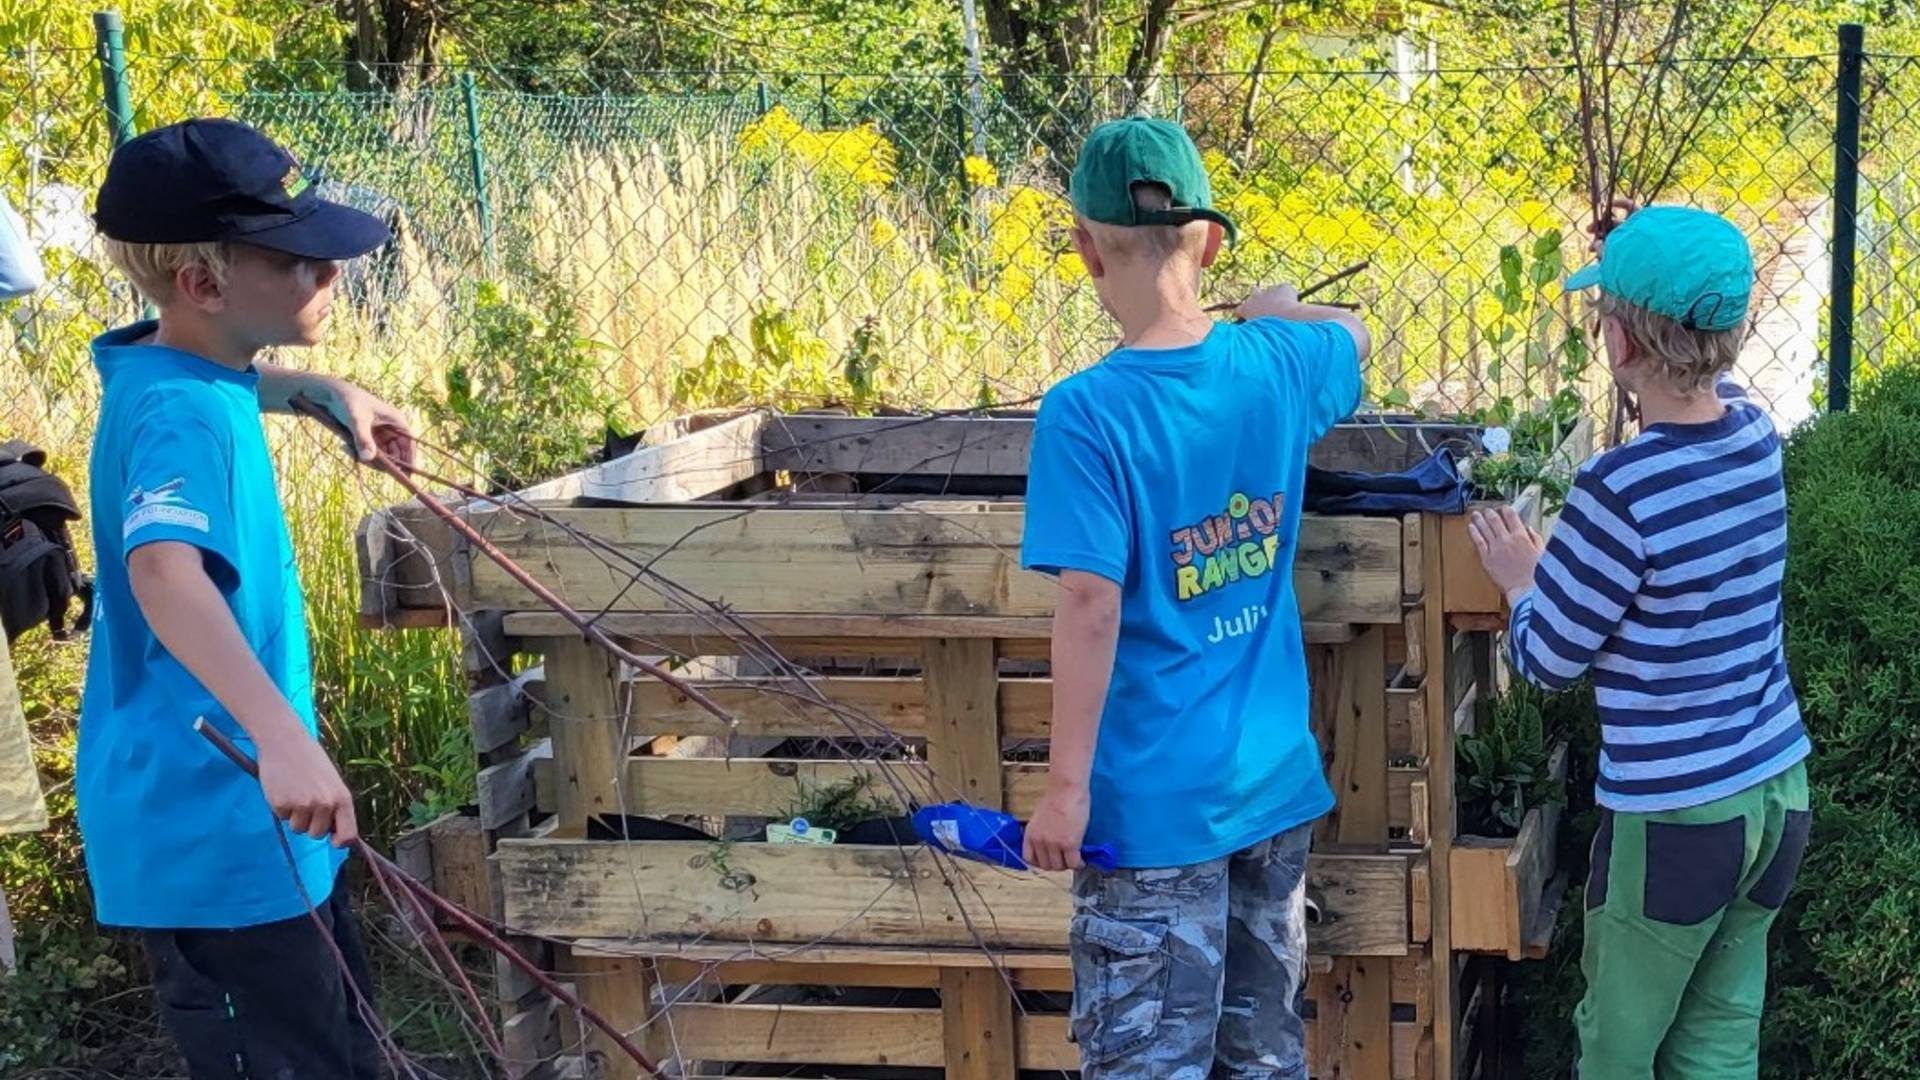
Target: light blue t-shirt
x=1177, y=473
x=176, y=835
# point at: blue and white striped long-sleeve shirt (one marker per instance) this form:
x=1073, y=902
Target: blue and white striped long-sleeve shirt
x=1663, y=578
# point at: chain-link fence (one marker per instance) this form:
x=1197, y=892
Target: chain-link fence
x=901, y=240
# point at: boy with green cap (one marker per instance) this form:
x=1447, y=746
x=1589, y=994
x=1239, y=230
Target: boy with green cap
x=1164, y=491
x=1663, y=580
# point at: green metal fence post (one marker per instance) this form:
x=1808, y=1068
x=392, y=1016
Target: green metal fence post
x=1846, y=213
x=477, y=162
x=766, y=104
x=110, y=48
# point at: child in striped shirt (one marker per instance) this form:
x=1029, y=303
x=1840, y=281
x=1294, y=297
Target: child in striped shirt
x=1662, y=579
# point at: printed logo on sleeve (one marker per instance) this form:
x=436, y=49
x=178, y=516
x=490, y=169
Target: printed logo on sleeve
x=164, y=505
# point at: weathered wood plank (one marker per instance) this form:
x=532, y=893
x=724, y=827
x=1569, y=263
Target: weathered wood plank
x=1413, y=569
x=772, y=787
x=975, y=446
x=1406, y=722
x=506, y=791
x=688, y=467
x=880, y=562
x=1348, y=711
x=799, y=1035
x=1440, y=808
x=898, y=446
x=459, y=853
x=963, y=721
x=585, y=727
x=977, y=1026
x=769, y=893
x=620, y=989
x=1353, y=1010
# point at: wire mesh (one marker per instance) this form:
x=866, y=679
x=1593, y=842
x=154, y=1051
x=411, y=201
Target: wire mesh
x=902, y=240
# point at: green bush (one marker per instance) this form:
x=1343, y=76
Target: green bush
x=1846, y=999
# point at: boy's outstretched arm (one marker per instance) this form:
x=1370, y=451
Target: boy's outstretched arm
x=1570, y=594
x=1283, y=302
x=1086, y=628
x=374, y=423
x=190, y=617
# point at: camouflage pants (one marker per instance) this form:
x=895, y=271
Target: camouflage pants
x=1194, y=972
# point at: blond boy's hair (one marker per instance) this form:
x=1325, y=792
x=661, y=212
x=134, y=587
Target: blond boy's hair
x=152, y=267
x=1159, y=243
x=1690, y=361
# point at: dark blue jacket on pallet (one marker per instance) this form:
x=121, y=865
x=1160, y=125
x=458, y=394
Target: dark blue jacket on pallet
x=1435, y=486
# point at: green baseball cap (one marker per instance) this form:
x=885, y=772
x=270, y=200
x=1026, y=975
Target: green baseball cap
x=1692, y=266
x=1139, y=150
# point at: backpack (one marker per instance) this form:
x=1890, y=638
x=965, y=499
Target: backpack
x=39, y=570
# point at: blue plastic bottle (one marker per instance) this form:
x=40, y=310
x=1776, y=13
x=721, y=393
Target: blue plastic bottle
x=989, y=836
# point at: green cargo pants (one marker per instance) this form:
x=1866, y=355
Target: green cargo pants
x=1678, y=906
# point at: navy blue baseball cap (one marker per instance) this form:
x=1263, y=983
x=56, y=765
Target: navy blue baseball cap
x=212, y=180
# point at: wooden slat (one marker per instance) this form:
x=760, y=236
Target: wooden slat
x=459, y=849
x=813, y=956
x=688, y=467
x=1415, y=631
x=507, y=790
x=1420, y=900
x=882, y=707
x=530, y=1037
x=1440, y=808
x=898, y=446
x=1353, y=1010
x=499, y=714
x=880, y=562
x=620, y=990
x=998, y=446
x=584, y=721
x=1349, y=721
x=1406, y=722
x=963, y=721
x=780, y=1034
x=697, y=635
x=976, y=1016
x=1413, y=569
x=772, y=787
x=770, y=893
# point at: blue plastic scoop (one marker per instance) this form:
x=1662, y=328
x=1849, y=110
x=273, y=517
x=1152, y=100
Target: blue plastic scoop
x=989, y=836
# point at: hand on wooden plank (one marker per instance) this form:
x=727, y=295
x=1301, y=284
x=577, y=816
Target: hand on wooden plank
x=1508, y=547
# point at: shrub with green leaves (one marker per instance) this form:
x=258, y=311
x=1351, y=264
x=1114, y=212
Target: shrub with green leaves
x=1846, y=1000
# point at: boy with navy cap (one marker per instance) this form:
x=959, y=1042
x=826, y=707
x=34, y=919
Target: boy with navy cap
x=1164, y=490
x=1663, y=580
x=201, y=614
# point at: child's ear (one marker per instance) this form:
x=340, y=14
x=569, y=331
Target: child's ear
x=1089, y=254
x=195, y=284
x=1215, y=237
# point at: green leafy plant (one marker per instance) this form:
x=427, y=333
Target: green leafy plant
x=530, y=399
x=841, y=805
x=1846, y=1002
x=1501, y=769
x=786, y=365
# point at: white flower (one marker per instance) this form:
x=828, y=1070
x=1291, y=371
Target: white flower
x=1496, y=440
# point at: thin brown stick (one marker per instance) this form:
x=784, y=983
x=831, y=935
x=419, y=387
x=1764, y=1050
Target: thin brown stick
x=384, y=868
x=1311, y=289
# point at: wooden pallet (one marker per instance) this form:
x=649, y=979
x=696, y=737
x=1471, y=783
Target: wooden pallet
x=912, y=610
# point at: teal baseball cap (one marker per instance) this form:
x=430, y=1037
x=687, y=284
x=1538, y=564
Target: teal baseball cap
x=1692, y=266
x=1141, y=150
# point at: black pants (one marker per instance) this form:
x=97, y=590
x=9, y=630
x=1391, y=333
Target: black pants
x=267, y=1002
